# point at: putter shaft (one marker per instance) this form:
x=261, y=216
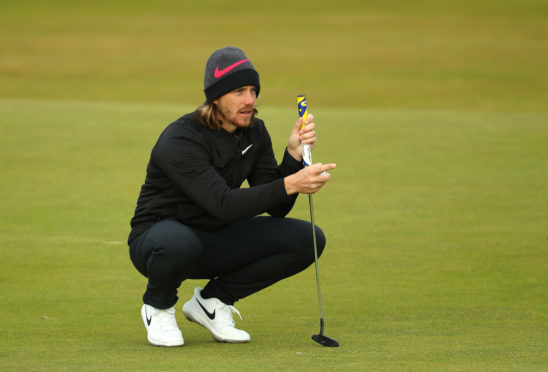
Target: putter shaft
x=311, y=203
x=319, y=338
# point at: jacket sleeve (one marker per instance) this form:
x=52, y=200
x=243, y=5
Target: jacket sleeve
x=266, y=170
x=186, y=162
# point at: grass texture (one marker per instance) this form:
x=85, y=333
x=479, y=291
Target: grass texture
x=436, y=216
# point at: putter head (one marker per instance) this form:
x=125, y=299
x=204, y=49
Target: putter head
x=325, y=341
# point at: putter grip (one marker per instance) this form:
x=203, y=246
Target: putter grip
x=303, y=113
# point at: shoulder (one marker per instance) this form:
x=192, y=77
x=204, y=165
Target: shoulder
x=258, y=129
x=184, y=128
x=259, y=132
x=259, y=124
x=186, y=124
x=181, y=136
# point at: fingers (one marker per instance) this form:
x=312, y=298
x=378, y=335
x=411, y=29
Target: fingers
x=308, y=180
x=308, y=123
x=308, y=133
x=321, y=168
x=319, y=175
x=308, y=138
x=298, y=124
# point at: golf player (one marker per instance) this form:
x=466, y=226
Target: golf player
x=193, y=221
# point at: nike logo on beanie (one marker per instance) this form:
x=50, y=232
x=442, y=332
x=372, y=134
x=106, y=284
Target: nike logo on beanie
x=218, y=73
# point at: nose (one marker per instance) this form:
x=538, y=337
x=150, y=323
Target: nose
x=250, y=96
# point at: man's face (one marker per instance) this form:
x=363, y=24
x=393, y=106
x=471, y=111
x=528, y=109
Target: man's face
x=235, y=108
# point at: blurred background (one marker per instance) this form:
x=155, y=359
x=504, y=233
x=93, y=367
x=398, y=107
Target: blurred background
x=486, y=55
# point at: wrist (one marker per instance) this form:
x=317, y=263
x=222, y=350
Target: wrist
x=294, y=153
x=289, y=184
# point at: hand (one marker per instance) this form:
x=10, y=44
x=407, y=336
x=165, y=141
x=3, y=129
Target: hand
x=308, y=180
x=299, y=136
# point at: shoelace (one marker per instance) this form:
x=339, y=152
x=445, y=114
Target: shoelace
x=226, y=312
x=167, y=319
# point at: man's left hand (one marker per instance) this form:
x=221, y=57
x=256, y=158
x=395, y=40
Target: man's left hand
x=299, y=137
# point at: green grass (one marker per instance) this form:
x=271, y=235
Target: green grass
x=436, y=256
x=436, y=216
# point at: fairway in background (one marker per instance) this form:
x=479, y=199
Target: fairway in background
x=397, y=54
x=436, y=215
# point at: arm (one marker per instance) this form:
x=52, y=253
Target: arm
x=266, y=170
x=185, y=160
x=296, y=179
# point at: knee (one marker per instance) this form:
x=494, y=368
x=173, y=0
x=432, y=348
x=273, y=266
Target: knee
x=179, y=249
x=306, y=246
x=175, y=246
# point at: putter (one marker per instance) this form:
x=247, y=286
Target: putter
x=319, y=338
x=307, y=160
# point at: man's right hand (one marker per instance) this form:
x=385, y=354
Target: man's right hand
x=308, y=180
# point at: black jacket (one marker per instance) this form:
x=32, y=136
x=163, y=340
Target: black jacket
x=195, y=173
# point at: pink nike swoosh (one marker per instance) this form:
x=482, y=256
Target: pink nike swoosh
x=218, y=73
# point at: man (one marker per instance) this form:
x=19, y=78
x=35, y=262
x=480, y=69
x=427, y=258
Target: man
x=193, y=221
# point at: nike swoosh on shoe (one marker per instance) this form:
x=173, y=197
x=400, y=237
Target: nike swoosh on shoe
x=209, y=315
x=149, y=319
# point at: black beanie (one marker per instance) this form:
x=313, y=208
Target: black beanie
x=228, y=69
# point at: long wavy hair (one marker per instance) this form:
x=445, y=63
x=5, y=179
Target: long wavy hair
x=206, y=114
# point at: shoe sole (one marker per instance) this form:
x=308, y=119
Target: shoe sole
x=217, y=337
x=158, y=344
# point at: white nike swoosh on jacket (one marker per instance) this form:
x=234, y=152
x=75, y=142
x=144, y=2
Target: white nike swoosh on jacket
x=247, y=148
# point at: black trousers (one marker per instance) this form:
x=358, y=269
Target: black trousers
x=239, y=259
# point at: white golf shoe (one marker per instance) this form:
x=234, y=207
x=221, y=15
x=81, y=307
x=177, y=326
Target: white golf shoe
x=215, y=316
x=161, y=326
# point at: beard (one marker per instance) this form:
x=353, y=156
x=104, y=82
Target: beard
x=240, y=118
